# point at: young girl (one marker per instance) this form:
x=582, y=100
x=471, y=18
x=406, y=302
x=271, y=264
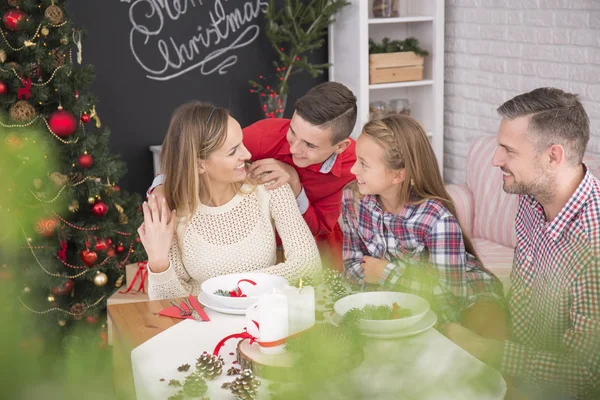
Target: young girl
x=400, y=232
x=220, y=223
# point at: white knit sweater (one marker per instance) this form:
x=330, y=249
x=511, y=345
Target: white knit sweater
x=238, y=236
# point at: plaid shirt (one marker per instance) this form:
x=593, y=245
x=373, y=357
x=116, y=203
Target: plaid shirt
x=555, y=294
x=424, y=246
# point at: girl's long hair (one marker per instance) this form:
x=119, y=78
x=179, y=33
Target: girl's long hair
x=407, y=147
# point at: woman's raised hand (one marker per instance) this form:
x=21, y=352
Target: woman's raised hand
x=157, y=231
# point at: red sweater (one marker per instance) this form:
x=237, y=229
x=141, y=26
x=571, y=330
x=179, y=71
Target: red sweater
x=267, y=139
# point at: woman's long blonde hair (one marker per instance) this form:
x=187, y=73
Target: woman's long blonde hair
x=196, y=130
x=407, y=147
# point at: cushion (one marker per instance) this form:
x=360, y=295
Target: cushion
x=495, y=211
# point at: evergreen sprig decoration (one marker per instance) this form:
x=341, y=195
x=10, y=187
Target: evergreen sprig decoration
x=294, y=31
x=394, y=46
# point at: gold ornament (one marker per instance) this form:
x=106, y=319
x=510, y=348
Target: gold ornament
x=119, y=281
x=22, y=111
x=94, y=115
x=45, y=31
x=74, y=206
x=122, y=217
x=100, y=279
x=26, y=289
x=91, y=200
x=58, y=179
x=13, y=141
x=54, y=14
x=64, y=40
x=62, y=322
x=28, y=43
x=2, y=56
x=50, y=298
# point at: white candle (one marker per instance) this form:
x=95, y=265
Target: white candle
x=301, y=305
x=273, y=321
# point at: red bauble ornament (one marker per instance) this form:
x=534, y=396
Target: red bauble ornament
x=109, y=241
x=62, y=123
x=99, y=209
x=12, y=18
x=101, y=245
x=85, y=118
x=46, y=227
x=89, y=257
x=120, y=248
x=3, y=88
x=116, y=188
x=65, y=288
x=92, y=319
x=85, y=161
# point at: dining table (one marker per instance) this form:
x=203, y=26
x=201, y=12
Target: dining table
x=149, y=349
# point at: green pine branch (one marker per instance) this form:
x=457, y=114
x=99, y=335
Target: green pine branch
x=294, y=31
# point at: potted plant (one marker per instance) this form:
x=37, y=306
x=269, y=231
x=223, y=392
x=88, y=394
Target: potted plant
x=294, y=30
x=395, y=60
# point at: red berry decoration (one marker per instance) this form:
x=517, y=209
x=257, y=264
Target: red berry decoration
x=116, y=188
x=120, y=248
x=99, y=209
x=62, y=123
x=85, y=161
x=12, y=18
x=89, y=257
x=63, y=289
x=85, y=118
x=3, y=88
x=101, y=245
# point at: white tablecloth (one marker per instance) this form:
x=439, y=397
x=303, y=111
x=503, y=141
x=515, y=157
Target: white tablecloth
x=425, y=366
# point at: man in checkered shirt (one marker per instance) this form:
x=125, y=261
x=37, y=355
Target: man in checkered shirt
x=554, y=347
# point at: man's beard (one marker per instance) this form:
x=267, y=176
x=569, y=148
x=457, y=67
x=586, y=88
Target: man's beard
x=542, y=188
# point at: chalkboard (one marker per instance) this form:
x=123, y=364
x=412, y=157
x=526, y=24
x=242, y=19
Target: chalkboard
x=153, y=55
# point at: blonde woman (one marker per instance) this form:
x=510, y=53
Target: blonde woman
x=399, y=224
x=220, y=223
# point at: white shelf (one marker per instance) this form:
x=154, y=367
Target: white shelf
x=349, y=54
x=400, y=20
x=395, y=85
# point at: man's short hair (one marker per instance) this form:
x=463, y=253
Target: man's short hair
x=329, y=104
x=557, y=117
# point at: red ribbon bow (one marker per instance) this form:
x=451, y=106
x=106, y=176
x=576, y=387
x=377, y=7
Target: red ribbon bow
x=142, y=272
x=237, y=292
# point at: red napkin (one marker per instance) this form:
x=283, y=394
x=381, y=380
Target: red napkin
x=173, y=312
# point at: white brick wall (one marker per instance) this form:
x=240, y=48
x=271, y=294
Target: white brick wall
x=497, y=49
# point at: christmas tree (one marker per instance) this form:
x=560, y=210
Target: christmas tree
x=72, y=258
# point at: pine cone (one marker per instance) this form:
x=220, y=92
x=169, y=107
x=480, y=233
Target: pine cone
x=75, y=177
x=78, y=309
x=194, y=385
x=245, y=387
x=209, y=366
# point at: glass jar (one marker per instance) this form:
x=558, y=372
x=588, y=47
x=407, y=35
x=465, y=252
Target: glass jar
x=399, y=106
x=385, y=8
x=377, y=109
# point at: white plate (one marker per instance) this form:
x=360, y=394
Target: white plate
x=417, y=305
x=209, y=303
x=265, y=283
x=424, y=324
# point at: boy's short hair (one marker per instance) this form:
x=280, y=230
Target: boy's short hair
x=330, y=104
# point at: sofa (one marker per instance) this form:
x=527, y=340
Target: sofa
x=485, y=212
